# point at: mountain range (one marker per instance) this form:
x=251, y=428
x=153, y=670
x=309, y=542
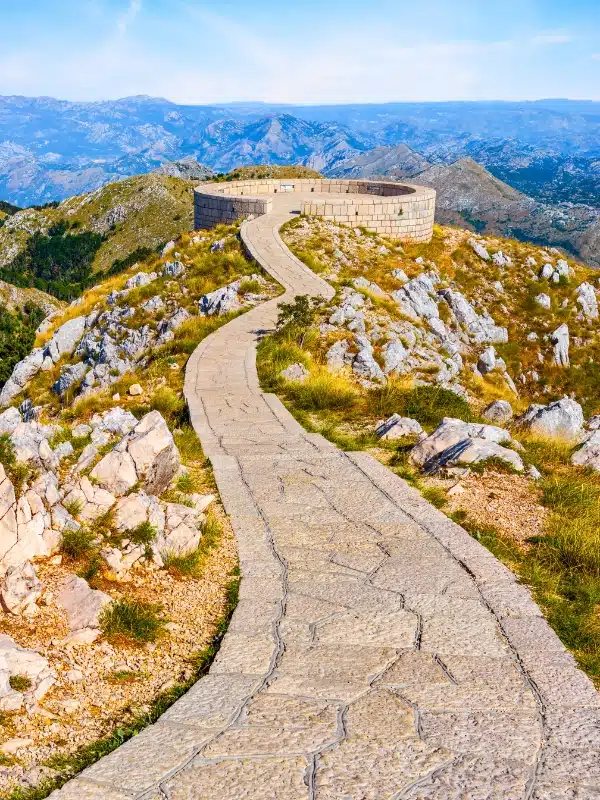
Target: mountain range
x=51, y=149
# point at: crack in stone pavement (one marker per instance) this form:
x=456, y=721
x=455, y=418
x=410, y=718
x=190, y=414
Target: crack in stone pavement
x=378, y=652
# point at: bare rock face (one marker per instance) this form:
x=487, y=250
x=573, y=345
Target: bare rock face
x=9, y=420
x=336, y=355
x=116, y=472
x=148, y=455
x=66, y=338
x=83, y=606
x=219, y=302
x=93, y=500
x=588, y=454
x=20, y=590
x=586, y=297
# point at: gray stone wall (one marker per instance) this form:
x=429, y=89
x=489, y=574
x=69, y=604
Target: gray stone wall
x=402, y=211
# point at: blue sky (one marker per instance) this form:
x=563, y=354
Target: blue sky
x=302, y=51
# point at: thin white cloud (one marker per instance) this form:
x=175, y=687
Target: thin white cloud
x=550, y=37
x=596, y=57
x=128, y=17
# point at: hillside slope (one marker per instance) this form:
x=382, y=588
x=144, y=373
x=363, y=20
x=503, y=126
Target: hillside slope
x=91, y=232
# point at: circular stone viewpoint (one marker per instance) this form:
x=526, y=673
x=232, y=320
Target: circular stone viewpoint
x=402, y=211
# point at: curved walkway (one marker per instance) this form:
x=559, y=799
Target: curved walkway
x=377, y=651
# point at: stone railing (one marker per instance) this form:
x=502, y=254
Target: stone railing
x=403, y=211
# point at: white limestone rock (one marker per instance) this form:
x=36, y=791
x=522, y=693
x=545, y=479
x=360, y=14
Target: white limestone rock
x=219, y=302
x=417, y=299
x=560, y=340
x=9, y=420
x=336, y=355
x=20, y=590
x=154, y=453
x=116, y=472
x=481, y=329
x=398, y=427
x=499, y=412
x=173, y=269
x=140, y=279
x=137, y=508
x=588, y=455
x=543, y=300
x=82, y=604
x=16, y=660
x=65, y=338
x=484, y=442
x=394, y=353
x=563, y=419
x=487, y=361
x=501, y=260
x=296, y=373
x=117, y=421
x=586, y=297
x=478, y=248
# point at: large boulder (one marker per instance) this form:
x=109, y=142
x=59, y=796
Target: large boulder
x=137, y=508
x=115, y=472
x=561, y=419
x=588, y=454
x=9, y=420
x=481, y=442
x=21, y=374
x=416, y=299
x=93, y=500
x=586, y=297
x=117, y=421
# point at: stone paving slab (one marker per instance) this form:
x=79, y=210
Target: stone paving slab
x=378, y=652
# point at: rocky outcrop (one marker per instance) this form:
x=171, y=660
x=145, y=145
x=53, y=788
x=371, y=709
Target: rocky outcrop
x=586, y=297
x=561, y=419
x=20, y=590
x=481, y=442
x=18, y=661
x=481, y=329
x=221, y=301
x=147, y=455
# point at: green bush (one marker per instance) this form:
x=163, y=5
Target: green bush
x=132, y=620
x=77, y=543
x=17, y=335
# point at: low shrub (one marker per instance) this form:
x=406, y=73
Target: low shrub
x=20, y=683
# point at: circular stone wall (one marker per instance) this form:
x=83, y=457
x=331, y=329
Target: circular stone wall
x=402, y=211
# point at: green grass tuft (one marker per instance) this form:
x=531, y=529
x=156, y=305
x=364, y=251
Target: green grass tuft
x=132, y=620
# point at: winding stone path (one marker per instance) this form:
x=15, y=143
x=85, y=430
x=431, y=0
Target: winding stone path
x=377, y=651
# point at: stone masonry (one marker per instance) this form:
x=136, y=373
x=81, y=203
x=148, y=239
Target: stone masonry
x=378, y=652
x=402, y=211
